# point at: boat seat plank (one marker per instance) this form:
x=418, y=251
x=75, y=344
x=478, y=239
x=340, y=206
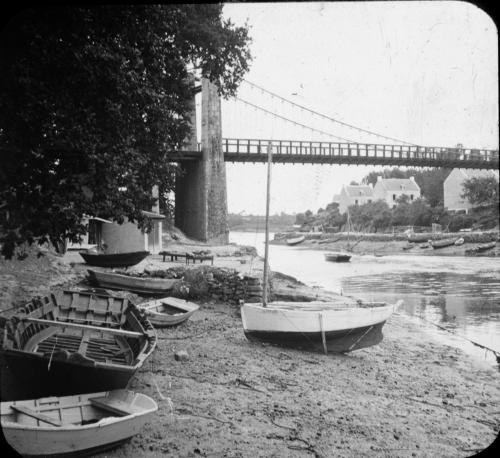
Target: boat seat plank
x=37, y=415
x=121, y=332
x=112, y=405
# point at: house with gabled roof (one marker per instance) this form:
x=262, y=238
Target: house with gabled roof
x=453, y=188
x=391, y=189
x=354, y=195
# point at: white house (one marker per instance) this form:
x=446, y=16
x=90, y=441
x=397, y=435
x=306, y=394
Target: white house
x=120, y=238
x=453, y=188
x=354, y=195
x=391, y=189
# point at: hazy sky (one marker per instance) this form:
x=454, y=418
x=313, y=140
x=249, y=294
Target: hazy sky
x=424, y=72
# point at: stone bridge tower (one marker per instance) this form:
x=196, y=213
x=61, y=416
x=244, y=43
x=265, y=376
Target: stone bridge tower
x=200, y=193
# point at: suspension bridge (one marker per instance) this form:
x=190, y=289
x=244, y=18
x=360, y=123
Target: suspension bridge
x=201, y=201
x=387, y=150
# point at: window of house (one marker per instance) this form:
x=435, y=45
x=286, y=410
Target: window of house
x=411, y=196
x=369, y=200
x=394, y=197
x=355, y=202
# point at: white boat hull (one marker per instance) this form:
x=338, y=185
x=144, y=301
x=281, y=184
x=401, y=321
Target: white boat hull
x=316, y=326
x=169, y=311
x=32, y=439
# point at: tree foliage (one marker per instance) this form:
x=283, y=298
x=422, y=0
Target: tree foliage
x=481, y=190
x=93, y=102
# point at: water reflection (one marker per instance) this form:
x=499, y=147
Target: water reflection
x=461, y=294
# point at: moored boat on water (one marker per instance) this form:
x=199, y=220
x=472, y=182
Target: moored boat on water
x=74, y=425
x=295, y=240
x=144, y=285
x=168, y=311
x=74, y=342
x=114, y=259
x=337, y=257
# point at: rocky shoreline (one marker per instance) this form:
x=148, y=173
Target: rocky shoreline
x=409, y=396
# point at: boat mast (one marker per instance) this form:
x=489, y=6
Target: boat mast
x=266, y=252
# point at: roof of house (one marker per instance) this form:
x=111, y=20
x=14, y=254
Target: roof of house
x=399, y=184
x=359, y=191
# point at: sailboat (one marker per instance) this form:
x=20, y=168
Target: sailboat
x=342, y=325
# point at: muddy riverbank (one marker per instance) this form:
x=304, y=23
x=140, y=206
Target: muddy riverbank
x=409, y=396
x=387, y=244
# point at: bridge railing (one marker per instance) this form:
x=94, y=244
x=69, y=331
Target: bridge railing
x=234, y=146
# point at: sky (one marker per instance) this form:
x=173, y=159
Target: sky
x=422, y=72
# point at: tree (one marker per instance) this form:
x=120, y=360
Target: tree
x=93, y=102
x=481, y=191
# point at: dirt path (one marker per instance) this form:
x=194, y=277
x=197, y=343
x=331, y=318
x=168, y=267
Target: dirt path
x=408, y=396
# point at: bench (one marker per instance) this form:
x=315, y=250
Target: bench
x=199, y=257
x=37, y=415
x=173, y=255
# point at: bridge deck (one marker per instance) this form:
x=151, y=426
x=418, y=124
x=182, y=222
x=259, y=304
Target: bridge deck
x=297, y=152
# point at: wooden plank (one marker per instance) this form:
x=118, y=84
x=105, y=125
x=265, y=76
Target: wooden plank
x=115, y=407
x=120, y=332
x=37, y=415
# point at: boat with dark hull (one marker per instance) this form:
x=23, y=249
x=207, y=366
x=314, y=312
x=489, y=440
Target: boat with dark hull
x=418, y=238
x=143, y=285
x=77, y=425
x=114, y=259
x=75, y=342
x=337, y=257
x=295, y=240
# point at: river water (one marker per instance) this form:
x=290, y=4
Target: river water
x=460, y=294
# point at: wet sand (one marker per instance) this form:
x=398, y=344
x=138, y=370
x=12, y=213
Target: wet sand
x=408, y=396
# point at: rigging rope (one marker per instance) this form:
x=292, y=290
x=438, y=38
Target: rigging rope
x=327, y=117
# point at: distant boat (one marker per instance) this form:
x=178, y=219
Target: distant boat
x=442, y=243
x=337, y=257
x=75, y=342
x=115, y=259
x=83, y=424
x=144, y=285
x=424, y=245
x=295, y=240
x=481, y=247
x=168, y=311
x=459, y=241
x=339, y=325
x=417, y=238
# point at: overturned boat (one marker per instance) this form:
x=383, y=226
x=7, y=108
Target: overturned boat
x=73, y=342
x=74, y=425
x=337, y=257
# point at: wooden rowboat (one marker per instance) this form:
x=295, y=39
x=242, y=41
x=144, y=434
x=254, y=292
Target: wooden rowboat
x=442, y=243
x=337, y=257
x=317, y=326
x=295, y=240
x=115, y=259
x=168, y=311
x=144, y=285
x=74, y=425
x=74, y=342
x=481, y=247
x=417, y=238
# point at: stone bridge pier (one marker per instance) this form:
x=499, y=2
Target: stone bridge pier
x=200, y=192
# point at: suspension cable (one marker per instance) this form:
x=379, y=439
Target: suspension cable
x=327, y=117
x=294, y=122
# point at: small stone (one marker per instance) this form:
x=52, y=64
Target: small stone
x=181, y=355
